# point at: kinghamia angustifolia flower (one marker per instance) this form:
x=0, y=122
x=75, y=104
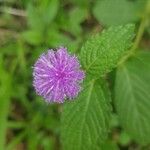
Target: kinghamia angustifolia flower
x=57, y=75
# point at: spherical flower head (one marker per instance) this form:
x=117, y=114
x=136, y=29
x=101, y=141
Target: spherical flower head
x=57, y=76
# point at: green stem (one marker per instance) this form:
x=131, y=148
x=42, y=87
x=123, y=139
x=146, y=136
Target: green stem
x=140, y=33
x=142, y=26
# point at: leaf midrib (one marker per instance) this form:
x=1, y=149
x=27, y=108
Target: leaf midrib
x=129, y=81
x=136, y=114
x=88, y=67
x=86, y=109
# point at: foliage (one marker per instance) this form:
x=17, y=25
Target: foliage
x=86, y=122
x=111, y=39
x=117, y=12
x=102, y=52
x=132, y=96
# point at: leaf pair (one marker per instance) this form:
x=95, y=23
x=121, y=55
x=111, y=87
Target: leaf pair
x=85, y=122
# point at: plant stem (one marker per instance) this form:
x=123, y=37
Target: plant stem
x=13, y=11
x=140, y=33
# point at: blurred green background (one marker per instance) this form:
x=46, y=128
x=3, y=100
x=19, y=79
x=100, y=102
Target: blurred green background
x=27, y=29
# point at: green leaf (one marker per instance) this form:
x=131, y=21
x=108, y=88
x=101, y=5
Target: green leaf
x=83, y=3
x=117, y=12
x=55, y=38
x=41, y=13
x=132, y=92
x=76, y=17
x=49, y=10
x=33, y=37
x=85, y=121
x=101, y=53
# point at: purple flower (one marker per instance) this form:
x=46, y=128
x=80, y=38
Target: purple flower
x=57, y=76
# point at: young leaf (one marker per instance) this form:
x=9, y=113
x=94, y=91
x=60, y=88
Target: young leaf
x=132, y=100
x=85, y=121
x=102, y=52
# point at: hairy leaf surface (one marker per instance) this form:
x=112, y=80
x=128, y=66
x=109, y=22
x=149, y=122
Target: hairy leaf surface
x=102, y=52
x=85, y=121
